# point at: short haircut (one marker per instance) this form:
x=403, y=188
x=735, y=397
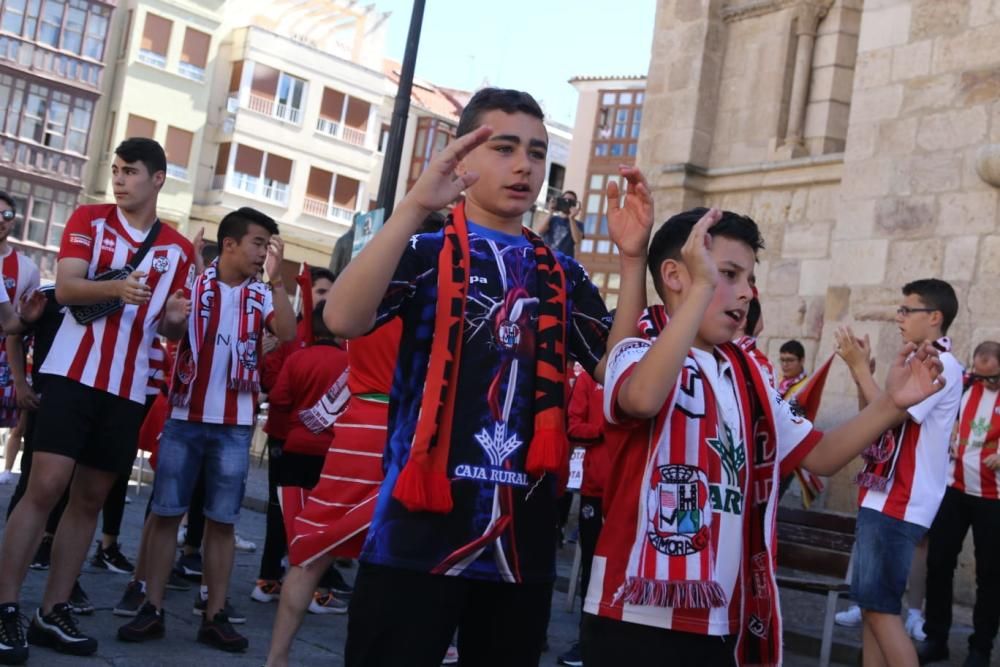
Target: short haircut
x=570, y=192
x=936, y=294
x=236, y=224
x=7, y=199
x=988, y=348
x=319, y=328
x=673, y=234
x=490, y=99
x=209, y=252
x=753, y=316
x=146, y=151
x=321, y=273
x=793, y=347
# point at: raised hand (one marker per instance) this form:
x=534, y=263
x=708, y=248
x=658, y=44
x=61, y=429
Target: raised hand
x=275, y=255
x=630, y=223
x=439, y=184
x=914, y=375
x=132, y=290
x=856, y=352
x=697, y=250
x=199, y=245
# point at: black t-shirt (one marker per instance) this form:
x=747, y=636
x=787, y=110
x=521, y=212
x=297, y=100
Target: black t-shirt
x=44, y=333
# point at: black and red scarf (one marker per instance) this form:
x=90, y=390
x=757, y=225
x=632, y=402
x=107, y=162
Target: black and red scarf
x=423, y=483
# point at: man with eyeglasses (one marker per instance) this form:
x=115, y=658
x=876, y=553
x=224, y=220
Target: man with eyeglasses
x=972, y=499
x=20, y=277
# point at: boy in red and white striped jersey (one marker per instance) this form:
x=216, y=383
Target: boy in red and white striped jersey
x=905, y=473
x=213, y=393
x=93, y=402
x=972, y=499
x=684, y=568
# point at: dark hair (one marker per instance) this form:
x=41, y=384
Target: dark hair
x=793, y=347
x=489, y=99
x=320, y=273
x=319, y=328
x=7, y=199
x=986, y=349
x=570, y=192
x=146, y=151
x=432, y=223
x=236, y=224
x=673, y=234
x=936, y=294
x=753, y=316
x=209, y=252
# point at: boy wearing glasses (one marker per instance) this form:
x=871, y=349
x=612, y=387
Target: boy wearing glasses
x=793, y=372
x=971, y=499
x=905, y=473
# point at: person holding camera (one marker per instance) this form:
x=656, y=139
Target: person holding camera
x=561, y=231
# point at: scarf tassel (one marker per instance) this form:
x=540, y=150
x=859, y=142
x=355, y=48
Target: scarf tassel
x=870, y=480
x=423, y=488
x=674, y=594
x=549, y=452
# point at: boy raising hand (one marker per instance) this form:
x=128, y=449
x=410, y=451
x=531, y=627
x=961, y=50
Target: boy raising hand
x=685, y=564
x=464, y=528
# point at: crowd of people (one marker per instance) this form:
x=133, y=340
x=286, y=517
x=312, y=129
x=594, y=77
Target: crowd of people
x=423, y=406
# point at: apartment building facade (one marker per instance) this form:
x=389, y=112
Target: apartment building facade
x=52, y=73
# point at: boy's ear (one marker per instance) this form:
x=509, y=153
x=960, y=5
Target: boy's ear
x=672, y=275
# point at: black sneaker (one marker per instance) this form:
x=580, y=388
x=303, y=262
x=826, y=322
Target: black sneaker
x=79, y=603
x=13, y=646
x=219, y=632
x=147, y=624
x=112, y=559
x=932, y=651
x=235, y=617
x=176, y=582
x=189, y=566
x=43, y=555
x=335, y=581
x=132, y=600
x=58, y=630
x=572, y=656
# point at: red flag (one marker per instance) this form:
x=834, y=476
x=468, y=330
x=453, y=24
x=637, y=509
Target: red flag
x=809, y=396
x=304, y=279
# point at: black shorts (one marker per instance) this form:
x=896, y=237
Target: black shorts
x=90, y=426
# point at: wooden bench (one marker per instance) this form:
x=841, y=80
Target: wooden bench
x=815, y=556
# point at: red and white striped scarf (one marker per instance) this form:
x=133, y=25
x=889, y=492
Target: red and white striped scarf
x=975, y=438
x=881, y=456
x=788, y=386
x=245, y=339
x=681, y=573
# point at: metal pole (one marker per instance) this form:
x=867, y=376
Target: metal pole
x=397, y=130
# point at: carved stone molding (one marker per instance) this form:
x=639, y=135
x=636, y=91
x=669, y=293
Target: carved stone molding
x=737, y=10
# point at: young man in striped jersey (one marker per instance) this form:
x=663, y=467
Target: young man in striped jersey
x=92, y=408
x=684, y=568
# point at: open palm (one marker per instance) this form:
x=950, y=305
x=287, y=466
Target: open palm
x=630, y=222
x=915, y=375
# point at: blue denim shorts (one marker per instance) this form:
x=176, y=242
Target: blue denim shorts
x=188, y=447
x=883, y=552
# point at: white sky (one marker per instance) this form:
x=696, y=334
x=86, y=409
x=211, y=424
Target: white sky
x=532, y=45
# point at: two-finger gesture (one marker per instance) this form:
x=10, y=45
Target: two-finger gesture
x=440, y=184
x=630, y=222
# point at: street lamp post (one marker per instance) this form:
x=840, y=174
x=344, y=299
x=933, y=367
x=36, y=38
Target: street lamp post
x=397, y=130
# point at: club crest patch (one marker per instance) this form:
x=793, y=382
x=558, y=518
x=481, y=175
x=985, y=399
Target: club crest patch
x=677, y=512
x=161, y=264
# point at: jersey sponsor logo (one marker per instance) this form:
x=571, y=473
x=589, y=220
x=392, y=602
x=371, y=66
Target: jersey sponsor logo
x=677, y=514
x=109, y=244
x=732, y=454
x=498, y=447
x=80, y=239
x=161, y=264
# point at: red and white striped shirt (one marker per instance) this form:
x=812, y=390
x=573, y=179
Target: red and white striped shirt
x=20, y=276
x=975, y=439
x=917, y=486
x=112, y=353
x=212, y=399
x=795, y=439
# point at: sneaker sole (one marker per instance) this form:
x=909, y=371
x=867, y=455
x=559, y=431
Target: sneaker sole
x=38, y=567
x=125, y=613
x=258, y=596
x=82, y=611
x=316, y=609
x=117, y=570
x=238, y=620
x=45, y=639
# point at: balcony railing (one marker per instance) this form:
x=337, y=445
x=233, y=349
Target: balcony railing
x=260, y=104
x=152, y=58
x=273, y=191
x=328, y=210
x=42, y=160
x=343, y=132
x=190, y=71
x=73, y=69
x=177, y=171
x=280, y=110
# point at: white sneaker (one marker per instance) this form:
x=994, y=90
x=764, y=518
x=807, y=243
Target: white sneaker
x=850, y=618
x=326, y=603
x=915, y=625
x=7, y=477
x=451, y=657
x=244, y=545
